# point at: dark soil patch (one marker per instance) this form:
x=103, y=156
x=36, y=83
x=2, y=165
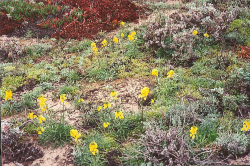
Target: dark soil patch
x=19, y=149
x=31, y=83
x=112, y=157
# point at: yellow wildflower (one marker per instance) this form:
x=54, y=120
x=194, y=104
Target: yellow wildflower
x=206, y=35
x=106, y=105
x=99, y=108
x=133, y=33
x=63, y=97
x=113, y=94
x=144, y=93
x=130, y=38
x=106, y=124
x=93, y=147
x=155, y=72
x=170, y=73
x=115, y=39
x=95, y=50
x=32, y=116
x=93, y=44
x=73, y=132
x=122, y=35
x=193, y=131
x=77, y=136
x=104, y=43
x=244, y=128
x=119, y=114
x=40, y=130
x=115, y=98
x=80, y=100
x=246, y=125
x=8, y=95
x=195, y=32
x=42, y=103
x=152, y=101
x=41, y=119
x=122, y=23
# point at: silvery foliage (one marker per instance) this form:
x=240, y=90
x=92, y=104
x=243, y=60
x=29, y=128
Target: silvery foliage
x=179, y=26
x=161, y=147
x=182, y=114
x=232, y=143
x=11, y=47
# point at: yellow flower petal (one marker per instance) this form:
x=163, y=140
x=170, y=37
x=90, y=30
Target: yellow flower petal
x=115, y=39
x=155, y=72
x=195, y=32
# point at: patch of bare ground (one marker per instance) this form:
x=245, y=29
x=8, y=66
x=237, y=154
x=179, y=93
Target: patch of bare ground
x=60, y=156
x=128, y=90
x=240, y=161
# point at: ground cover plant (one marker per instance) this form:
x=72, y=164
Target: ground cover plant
x=124, y=82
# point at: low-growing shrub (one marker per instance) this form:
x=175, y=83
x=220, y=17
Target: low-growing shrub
x=161, y=147
x=232, y=143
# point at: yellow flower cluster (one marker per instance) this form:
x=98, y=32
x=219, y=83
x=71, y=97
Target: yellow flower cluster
x=195, y=32
x=40, y=117
x=94, y=48
x=122, y=35
x=132, y=36
x=106, y=105
x=42, y=103
x=155, y=72
x=31, y=116
x=246, y=125
x=113, y=94
x=206, y=35
x=115, y=39
x=8, y=95
x=170, y=74
x=80, y=100
x=104, y=43
x=62, y=98
x=106, y=124
x=122, y=23
x=119, y=114
x=93, y=44
x=193, y=131
x=93, y=148
x=74, y=133
x=99, y=108
x=144, y=93
x=40, y=130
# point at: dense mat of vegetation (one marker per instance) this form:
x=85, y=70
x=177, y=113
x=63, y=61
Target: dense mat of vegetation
x=195, y=113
